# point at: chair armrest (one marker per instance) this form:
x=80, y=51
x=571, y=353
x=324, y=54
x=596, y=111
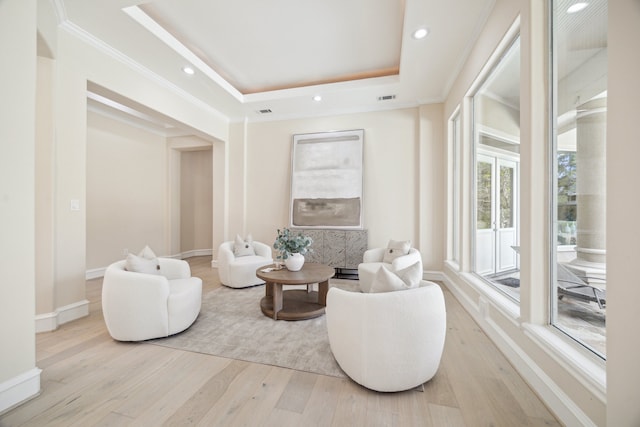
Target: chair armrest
x=134, y=305
x=174, y=268
x=345, y=329
x=407, y=260
x=262, y=249
x=129, y=285
x=373, y=255
x=225, y=254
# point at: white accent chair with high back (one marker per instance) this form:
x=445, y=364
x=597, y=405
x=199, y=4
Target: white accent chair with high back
x=237, y=263
x=396, y=256
x=144, y=305
x=388, y=341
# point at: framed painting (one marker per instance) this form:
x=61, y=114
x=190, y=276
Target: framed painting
x=327, y=180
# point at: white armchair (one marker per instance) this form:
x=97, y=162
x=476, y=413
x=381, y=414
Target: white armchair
x=141, y=306
x=372, y=260
x=240, y=272
x=390, y=341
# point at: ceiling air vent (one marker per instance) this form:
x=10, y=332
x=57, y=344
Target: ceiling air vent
x=386, y=97
x=265, y=111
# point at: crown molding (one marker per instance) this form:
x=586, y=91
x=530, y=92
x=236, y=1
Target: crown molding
x=168, y=39
x=60, y=11
x=110, y=51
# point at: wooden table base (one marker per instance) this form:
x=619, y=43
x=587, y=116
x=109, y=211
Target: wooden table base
x=294, y=304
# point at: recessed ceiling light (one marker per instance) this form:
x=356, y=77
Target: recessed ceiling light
x=577, y=7
x=420, y=33
x=317, y=98
x=188, y=70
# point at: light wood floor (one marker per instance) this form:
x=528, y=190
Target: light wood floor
x=88, y=379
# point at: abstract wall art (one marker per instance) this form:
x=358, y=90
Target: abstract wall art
x=326, y=180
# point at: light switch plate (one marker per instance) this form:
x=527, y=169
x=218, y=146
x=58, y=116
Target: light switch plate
x=75, y=204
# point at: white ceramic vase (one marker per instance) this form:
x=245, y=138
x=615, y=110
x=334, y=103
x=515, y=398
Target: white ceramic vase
x=294, y=262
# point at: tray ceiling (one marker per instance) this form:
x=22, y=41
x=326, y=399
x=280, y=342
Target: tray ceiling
x=251, y=56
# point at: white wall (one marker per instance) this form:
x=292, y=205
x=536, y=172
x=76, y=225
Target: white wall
x=498, y=116
x=235, y=178
x=391, y=174
x=432, y=189
x=623, y=205
x=79, y=61
x=19, y=378
x=145, y=189
x=196, y=200
x=403, y=169
x=69, y=157
x=126, y=190
x=44, y=186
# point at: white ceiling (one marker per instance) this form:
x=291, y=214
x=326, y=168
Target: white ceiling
x=252, y=55
x=257, y=48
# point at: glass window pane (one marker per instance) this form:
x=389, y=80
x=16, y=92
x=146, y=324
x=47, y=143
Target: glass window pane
x=496, y=130
x=579, y=75
x=506, y=196
x=455, y=130
x=484, y=196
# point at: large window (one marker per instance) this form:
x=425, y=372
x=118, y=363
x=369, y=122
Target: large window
x=496, y=124
x=579, y=76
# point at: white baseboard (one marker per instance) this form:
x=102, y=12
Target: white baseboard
x=214, y=263
x=50, y=321
x=433, y=275
x=73, y=311
x=94, y=273
x=196, y=252
x=19, y=389
x=46, y=322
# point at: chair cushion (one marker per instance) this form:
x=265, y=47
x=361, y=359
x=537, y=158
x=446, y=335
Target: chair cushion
x=243, y=247
x=395, y=249
x=147, y=253
x=386, y=280
x=412, y=275
x=242, y=271
x=139, y=264
x=367, y=273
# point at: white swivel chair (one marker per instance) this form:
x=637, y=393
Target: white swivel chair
x=240, y=271
x=389, y=341
x=372, y=260
x=142, y=306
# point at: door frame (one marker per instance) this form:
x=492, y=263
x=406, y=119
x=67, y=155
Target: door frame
x=497, y=156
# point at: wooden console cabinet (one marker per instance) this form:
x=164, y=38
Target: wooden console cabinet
x=340, y=249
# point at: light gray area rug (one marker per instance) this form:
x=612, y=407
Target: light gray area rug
x=232, y=325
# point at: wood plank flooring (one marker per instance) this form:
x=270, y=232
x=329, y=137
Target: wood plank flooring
x=88, y=379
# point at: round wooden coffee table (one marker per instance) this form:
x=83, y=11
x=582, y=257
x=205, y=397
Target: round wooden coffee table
x=295, y=304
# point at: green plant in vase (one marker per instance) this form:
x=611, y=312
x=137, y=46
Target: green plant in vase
x=291, y=247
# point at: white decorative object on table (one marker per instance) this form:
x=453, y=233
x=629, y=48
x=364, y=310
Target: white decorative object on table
x=294, y=262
